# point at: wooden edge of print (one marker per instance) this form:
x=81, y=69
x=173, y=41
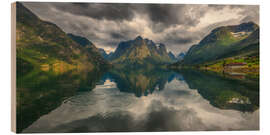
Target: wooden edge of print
x=13, y=67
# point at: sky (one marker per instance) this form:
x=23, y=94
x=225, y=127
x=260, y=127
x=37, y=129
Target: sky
x=178, y=26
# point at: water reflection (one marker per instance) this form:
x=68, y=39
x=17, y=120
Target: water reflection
x=156, y=100
x=141, y=81
x=224, y=92
x=40, y=92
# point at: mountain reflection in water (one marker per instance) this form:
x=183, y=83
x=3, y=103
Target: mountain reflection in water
x=157, y=100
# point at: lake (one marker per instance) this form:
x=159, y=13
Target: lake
x=136, y=100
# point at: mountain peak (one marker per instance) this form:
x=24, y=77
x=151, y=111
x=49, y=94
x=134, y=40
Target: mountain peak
x=139, y=51
x=138, y=38
x=229, y=33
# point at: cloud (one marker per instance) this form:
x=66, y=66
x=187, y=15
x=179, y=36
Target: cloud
x=163, y=16
x=158, y=14
x=161, y=118
x=178, y=26
x=116, y=12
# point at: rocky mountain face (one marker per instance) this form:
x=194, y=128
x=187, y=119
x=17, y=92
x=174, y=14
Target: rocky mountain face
x=172, y=56
x=104, y=54
x=178, y=57
x=222, y=42
x=181, y=56
x=44, y=44
x=140, y=51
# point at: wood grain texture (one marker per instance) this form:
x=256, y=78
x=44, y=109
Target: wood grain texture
x=13, y=67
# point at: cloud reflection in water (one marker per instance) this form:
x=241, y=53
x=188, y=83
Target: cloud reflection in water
x=175, y=108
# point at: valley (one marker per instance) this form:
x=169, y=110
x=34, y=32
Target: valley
x=68, y=83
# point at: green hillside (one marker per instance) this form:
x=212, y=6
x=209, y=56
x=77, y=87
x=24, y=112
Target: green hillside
x=43, y=45
x=226, y=49
x=222, y=41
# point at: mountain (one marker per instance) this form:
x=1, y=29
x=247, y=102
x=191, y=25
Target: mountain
x=80, y=40
x=140, y=52
x=89, y=45
x=220, y=90
x=109, y=55
x=141, y=81
x=171, y=55
x=181, y=56
x=222, y=42
x=104, y=54
x=43, y=45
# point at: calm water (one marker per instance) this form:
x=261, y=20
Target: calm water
x=138, y=100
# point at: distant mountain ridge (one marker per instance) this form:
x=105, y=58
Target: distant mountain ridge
x=104, y=54
x=178, y=57
x=140, y=51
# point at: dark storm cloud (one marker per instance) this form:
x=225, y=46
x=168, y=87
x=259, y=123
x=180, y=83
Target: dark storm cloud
x=116, y=12
x=216, y=7
x=116, y=35
x=182, y=40
x=82, y=5
x=163, y=13
x=168, y=15
x=175, y=38
x=161, y=16
x=108, y=24
x=123, y=33
x=112, y=43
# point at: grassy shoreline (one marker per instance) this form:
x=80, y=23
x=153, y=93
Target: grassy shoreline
x=233, y=67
